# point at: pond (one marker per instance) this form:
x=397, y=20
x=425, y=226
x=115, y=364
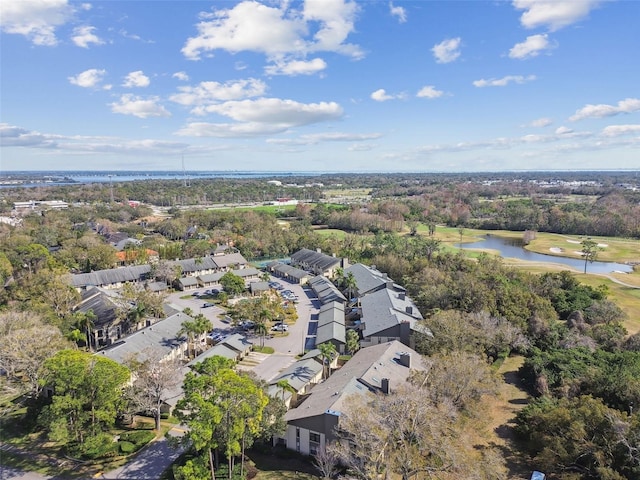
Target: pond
x=513, y=249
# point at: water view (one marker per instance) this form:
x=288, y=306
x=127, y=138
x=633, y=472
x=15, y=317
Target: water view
x=510, y=249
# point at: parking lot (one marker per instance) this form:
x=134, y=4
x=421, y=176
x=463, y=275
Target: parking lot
x=286, y=344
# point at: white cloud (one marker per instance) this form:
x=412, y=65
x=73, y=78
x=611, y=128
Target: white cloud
x=89, y=79
x=230, y=130
x=35, y=19
x=616, y=130
x=504, y=81
x=139, y=107
x=13, y=136
x=554, y=14
x=206, y=93
x=181, y=76
x=252, y=26
x=563, y=130
x=136, y=79
x=628, y=105
x=262, y=116
x=381, y=95
x=447, y=51
x=278, y=111
x=399, y=12
x=84, y=36
x=531, y=47
x=429, y=91
x=296, y=67
x=361, y=147
x=315, y=138
x=336, y=19
x=540, y=122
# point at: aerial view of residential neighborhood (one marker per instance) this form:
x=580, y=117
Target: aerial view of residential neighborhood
x=319, y=239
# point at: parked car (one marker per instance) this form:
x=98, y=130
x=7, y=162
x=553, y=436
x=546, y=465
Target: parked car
x=280, y=327
x=247, y=325
x=195, y=294
x=208, y=304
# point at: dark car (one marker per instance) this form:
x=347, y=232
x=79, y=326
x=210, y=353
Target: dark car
x=208, y=304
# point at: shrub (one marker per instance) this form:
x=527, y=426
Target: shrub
x=138, y=437
x=100, y=446
x=127, y=447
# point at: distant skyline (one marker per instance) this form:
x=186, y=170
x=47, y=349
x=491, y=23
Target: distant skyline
x=320, y=85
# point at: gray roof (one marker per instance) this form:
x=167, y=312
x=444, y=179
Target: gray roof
x=246, y=272
x=385, y=309
x=259, y=287
x=326, y=290
x=101, y=303
x=133, y=273
x=331, y=312
x=288, y=271
x=122, y=244
x=157, y=286
x=211, y=277
x=193, y=265
x=362, y=374
x=367, y=278
x=331, y=332
x=189, y=281
x=229, y=259
x=299, y=374
x=238, y=342
x=316, y=260
x=219, y=350
x=159, y=339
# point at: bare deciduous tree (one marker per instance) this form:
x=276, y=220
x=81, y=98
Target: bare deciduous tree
x=154, y=382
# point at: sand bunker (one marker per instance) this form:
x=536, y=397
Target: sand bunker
x=573, y=241
x=603, y=245
x=555, y=250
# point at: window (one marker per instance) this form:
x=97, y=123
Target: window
x=297, y=433
x=314, y=437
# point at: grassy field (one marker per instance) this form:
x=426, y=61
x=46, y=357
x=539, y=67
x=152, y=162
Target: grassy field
x=327, y=232
x=496, y=426
x=612, y=249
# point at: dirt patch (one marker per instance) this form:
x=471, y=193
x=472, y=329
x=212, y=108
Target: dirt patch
x=501, y=410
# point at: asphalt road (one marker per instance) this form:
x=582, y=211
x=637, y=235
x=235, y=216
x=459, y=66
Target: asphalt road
x=149, y=463
x=287, y=345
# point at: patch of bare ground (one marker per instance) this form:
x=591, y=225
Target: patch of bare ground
x=498, y=423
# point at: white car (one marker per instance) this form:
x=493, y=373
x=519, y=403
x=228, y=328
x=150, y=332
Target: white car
x=280, y=327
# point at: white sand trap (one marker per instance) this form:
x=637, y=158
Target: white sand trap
x=577, y=253
x=573, y=241
x=555, y=250
x=603, y=245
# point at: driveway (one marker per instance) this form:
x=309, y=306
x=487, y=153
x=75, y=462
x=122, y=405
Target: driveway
x=149, y=463
x=287, y=346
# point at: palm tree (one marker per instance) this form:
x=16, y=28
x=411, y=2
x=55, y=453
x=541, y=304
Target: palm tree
x=190, y=330
x=284, y=387
x=350, y=285
x=261, y=329
x=86, y=322
x=202, y=325
x=338, y=277
x=327, y=351
x=352, y=341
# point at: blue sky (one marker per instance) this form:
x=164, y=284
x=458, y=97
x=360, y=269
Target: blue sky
x=320, y=85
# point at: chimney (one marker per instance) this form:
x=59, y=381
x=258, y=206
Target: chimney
x=318, y=250
x=384, y=386
x=409, y=310
x=401, y=295
x=405, y=359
